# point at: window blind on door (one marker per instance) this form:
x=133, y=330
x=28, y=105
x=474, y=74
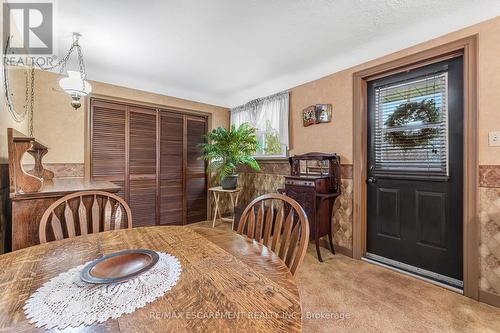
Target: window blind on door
x=411, y=126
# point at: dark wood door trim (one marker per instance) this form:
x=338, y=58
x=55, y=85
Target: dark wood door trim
x=158, y=166
x=143, y=104
x=184, y=170
x=127, y=155
x=468, y=47
x=193, y=172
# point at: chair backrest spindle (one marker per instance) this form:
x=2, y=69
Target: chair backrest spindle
x=286, y=235
x=118, y=216
x=82, y=215
x=107, y=215
x=95, y=215
x=268, y=224
x=70, y=221
x=56, y=227
x=259, y=223
x=277, y=229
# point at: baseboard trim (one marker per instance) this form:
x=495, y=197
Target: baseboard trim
x=489, y=298
x=343, y=250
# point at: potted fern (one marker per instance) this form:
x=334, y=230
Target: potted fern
x=225, y=150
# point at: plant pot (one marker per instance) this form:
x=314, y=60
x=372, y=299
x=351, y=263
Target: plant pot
x=229, y=182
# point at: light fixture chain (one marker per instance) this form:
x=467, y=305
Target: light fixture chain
x=26, y=90
x=81, y=65
x=65, y=60
x=18, y=117
x=61, y=63
x=30, y=91
x=32, y=99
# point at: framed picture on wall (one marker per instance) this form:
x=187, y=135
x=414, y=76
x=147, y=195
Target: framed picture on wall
x=309, y=116
x=323, y=113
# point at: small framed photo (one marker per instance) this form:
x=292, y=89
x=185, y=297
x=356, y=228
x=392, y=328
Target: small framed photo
x=309, y=116
x=323, y=113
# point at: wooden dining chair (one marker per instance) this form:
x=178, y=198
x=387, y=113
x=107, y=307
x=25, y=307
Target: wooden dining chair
x=284, y=236
x=94, y=211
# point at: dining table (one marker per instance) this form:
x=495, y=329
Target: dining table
x=228, y=282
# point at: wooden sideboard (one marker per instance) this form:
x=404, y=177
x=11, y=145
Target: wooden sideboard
x=28, y=208
x=31, y=192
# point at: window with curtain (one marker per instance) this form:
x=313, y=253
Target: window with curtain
x=269, y=115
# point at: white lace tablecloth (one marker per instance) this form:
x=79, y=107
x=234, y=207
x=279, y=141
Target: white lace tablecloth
x=66, y=300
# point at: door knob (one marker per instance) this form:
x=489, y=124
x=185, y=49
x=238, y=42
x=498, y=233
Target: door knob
x=371, y=180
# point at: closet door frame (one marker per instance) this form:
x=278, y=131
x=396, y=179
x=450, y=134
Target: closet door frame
x=159, y=108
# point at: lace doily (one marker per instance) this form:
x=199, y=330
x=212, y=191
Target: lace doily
x=66, y=300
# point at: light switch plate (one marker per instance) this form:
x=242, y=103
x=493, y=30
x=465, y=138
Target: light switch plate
x=494, y=139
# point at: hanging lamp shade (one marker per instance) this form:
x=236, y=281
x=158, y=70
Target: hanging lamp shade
x=74, y=85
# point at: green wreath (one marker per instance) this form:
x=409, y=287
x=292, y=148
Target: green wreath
x=425, y=111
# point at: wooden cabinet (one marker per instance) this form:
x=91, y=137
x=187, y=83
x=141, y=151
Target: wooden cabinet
x=153, y=154
x=28, y=208
x=32, y=192
x=314, y=182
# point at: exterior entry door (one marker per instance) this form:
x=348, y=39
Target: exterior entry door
x=415, y=171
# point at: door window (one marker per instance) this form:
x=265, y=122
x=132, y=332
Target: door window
x=411, y=127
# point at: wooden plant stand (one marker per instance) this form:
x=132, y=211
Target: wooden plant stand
x=233, y=195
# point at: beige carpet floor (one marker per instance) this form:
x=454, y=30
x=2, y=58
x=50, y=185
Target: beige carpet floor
x=346, y=295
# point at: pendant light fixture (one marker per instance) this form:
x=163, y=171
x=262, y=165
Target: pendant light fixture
x=75, y=84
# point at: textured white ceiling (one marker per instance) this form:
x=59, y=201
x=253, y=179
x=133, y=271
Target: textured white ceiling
x=227, y=52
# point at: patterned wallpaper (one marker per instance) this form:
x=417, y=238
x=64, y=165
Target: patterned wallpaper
x=489, y=218
x=342, y=216
x=62, y=170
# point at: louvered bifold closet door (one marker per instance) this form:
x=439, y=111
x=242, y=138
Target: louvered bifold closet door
x=171, y=168
x=108, y=143
x=196, y=180
x=142, y=165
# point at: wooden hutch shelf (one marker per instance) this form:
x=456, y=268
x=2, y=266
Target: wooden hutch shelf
x=33, y=191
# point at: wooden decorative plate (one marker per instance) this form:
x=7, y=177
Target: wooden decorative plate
x=119, y=267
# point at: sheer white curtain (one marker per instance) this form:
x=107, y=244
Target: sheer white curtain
x=267, y=115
